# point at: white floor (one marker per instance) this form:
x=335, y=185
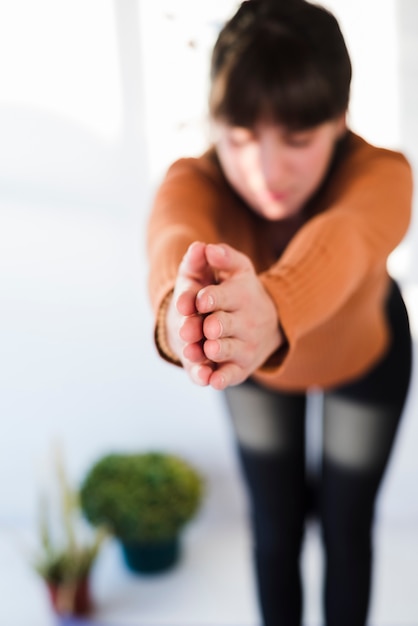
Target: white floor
x=212, y=585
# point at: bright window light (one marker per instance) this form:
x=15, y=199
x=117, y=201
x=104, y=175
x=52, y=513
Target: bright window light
x=61, y=57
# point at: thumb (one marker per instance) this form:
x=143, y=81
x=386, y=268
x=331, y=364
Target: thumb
x=194, y=273
x=194, y=264
x=226, y=260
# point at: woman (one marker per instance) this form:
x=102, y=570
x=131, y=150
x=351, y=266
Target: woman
x=268, y=279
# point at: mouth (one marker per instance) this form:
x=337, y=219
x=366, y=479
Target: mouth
x=276, y=196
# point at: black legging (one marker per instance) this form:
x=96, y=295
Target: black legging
x=359, y=426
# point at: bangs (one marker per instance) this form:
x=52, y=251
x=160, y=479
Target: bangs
x=280, y=84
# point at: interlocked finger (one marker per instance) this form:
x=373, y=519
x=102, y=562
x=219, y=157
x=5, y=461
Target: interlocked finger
x=219, y=325
x=191, y=330
x=220, y=350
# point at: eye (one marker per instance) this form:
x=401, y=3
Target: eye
x=299, y=139
x=239, y=137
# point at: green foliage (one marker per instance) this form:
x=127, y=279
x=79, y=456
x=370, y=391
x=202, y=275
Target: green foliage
x=142, y=498
x=67, y=547
x=59, y=565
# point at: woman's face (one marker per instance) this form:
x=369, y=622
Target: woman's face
x=274, y=170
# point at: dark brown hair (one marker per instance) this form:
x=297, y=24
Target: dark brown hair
x=284, y=61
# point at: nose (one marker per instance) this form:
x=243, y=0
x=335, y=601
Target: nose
x=273, y=161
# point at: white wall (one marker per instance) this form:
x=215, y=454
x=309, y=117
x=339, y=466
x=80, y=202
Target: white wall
x=93, y=107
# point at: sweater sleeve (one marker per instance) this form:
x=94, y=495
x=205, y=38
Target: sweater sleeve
x=185, y=209
x=367, y=215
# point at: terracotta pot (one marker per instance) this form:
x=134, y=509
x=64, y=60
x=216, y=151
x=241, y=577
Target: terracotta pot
x=69, y=598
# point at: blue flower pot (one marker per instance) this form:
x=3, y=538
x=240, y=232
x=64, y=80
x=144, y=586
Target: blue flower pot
x=151, y=558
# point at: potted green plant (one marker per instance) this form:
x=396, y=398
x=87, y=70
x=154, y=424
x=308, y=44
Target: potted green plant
x=144, y=499
x=67, y=549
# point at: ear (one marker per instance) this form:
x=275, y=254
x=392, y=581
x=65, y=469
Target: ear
x=341, y=125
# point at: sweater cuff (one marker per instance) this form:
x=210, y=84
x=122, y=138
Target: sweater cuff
x=275, y=360
x=160, y=334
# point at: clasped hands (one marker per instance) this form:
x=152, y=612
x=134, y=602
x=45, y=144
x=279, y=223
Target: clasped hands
x=221, y=322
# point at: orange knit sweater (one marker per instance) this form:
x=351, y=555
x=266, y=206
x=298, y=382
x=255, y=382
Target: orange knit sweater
x=325, y=270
